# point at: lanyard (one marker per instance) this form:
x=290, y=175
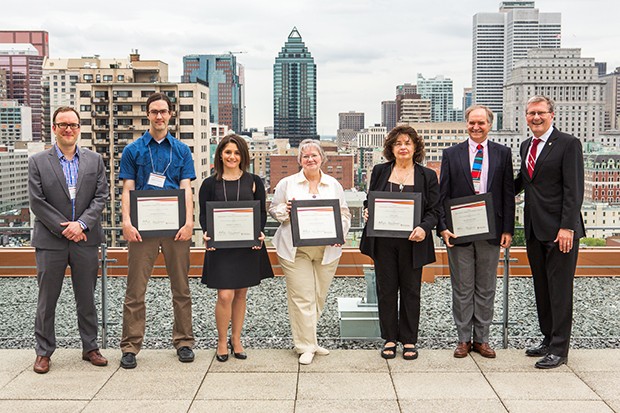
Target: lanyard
x=153, y=163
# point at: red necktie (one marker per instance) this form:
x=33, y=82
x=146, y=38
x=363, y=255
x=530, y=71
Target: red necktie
x=531, y=159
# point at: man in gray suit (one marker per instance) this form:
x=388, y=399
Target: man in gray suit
x=68, y=189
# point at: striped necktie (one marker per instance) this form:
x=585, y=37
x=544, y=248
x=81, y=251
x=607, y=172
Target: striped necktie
x=476, y=169
x=531, y=158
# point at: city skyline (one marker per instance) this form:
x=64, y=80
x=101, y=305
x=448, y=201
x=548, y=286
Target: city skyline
x=362, y=49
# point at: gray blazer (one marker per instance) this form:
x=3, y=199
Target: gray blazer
x=51, y=203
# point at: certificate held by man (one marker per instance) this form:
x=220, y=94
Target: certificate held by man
x=157, y=213
x=393, y=214
x=471, y=218
x=233, y=224
x=316, y=222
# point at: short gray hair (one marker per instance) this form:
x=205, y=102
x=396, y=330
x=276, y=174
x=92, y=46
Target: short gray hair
x=307, y=143
x=540, y=98
x=486, y=109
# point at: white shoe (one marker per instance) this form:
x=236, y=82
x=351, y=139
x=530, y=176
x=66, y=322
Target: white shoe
x=306, y=358
x=322, y=351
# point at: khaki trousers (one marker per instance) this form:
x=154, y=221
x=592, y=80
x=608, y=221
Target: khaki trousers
x=307, y=283
x=141, y=259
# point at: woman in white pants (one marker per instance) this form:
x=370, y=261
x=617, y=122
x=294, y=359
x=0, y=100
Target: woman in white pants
x=308, y=270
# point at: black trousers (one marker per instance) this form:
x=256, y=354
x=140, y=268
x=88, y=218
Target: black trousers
x=394, y=271
x=553, y=272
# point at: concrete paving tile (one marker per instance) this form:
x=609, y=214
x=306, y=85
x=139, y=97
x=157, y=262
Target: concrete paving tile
x=6, y=377
x=508, y=360
x=138, y=406
x=38, y=406
x=166, y=360
x=614, y=404
x=450, y=386
x=16, y=360
x=540, y=385
x=451, y=406
x=606, y=384
x=432, y=360
x=594, y=360
x=340, y=361
x=55, y=385
x=347, y=406
x=345, y=386
x=154, y=385
x=248, y=386
x=243, y=406
x=564, y=406
x=268, y=360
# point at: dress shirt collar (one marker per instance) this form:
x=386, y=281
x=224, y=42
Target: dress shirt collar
x=473, y=146
x=148, y=138
x=301, y=178
x=545, y=136
x=61, y=155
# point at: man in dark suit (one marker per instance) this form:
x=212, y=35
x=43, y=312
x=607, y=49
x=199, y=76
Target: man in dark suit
x=476, y=166
x=552, y=177
x=68, y=190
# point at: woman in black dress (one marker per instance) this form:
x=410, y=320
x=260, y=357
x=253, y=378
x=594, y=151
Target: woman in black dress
x=232, y=270
x=399, y=261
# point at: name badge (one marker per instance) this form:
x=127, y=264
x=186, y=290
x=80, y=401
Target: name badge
x=477, y=187
x=157, y=180
x=72, y=191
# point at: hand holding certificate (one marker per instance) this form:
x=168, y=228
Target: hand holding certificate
x=316, y=222
x=393, y=214
x=233, y=224
x=156, y=213
x=471, y=218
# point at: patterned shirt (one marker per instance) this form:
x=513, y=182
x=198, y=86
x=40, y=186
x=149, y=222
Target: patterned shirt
x=70, y=169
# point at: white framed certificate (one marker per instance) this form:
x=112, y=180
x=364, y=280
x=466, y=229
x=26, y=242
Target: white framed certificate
x=471, y=218
x=393, y=214
x=157, y=213
x=316, y=222
x=233, y=224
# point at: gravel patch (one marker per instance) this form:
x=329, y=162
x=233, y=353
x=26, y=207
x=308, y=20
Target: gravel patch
x=596, y=316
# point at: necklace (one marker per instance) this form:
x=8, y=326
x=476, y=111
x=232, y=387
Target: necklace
x=238, y=187
x=401, y=182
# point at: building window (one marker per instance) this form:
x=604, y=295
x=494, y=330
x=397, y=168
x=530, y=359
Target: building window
x=120, y=78
x=108, y=78
x=187, y=135
x=84, y=93
x=189, y=121
x=186, y=93
x=186, y=108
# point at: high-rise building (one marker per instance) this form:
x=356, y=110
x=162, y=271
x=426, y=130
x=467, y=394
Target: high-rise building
x=501, y=39
x=14, y=173
x=294, y=92
x=222, y=74
x=349, y=123
x=406, y=89
x=439, y=91
x=570, y=80
x=389, y=114
x=468, y=95
x=612, y=100
x=2, y=84
x=414, y=110
x=23, y=66
x=372, y=137
x=15, y=122
x=38, y=38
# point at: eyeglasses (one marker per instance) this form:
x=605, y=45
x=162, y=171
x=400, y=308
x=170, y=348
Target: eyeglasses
x=155, y=112
x=533, y=113
x=64, y=126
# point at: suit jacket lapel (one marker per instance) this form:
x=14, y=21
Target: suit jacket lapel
x=83, y=166
x=545, y=152
x=60, y=175
x=465, y=166
x=384, y=177
x=492, y=158
x=525, y=146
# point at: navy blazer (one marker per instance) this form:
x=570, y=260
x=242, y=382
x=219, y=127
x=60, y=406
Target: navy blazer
x=456, y=182
x=554, y=194
x=425, y=182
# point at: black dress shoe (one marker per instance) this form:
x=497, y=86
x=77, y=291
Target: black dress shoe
x=221, y=357
x=537, y=351
x=128, y=361
x=241, y=355
x=551, y=361
x=186, y=354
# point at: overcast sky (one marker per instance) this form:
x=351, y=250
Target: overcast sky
x=362, y=48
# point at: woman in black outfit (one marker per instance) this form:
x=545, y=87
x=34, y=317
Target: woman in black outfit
x=399, y=261
x=232, y=270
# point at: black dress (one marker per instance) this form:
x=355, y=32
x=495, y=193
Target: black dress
x=233, y=268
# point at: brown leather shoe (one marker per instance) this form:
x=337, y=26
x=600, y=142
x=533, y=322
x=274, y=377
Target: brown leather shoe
x=41, y=365
x=95, y=358
x=462, y=349
x=484, y=349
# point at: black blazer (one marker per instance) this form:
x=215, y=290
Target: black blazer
x=425, y=181
x=456, y=182
x=554, y=194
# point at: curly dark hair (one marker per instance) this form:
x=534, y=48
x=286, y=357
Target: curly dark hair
x=390, y=140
